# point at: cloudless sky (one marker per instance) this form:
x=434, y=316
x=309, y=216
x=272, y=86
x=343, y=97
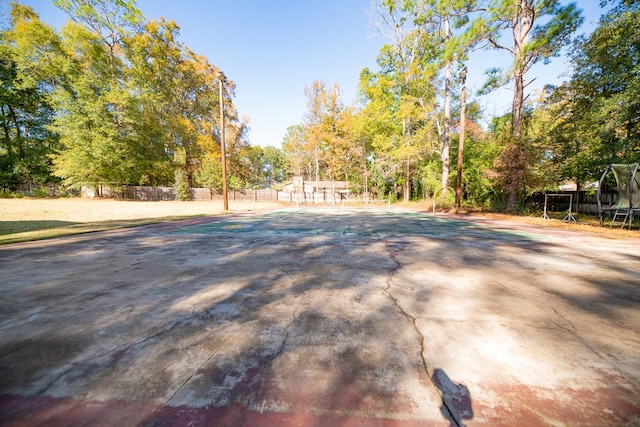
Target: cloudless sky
x=273, y=49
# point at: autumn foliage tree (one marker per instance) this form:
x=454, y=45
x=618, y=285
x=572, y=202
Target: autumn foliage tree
x=322, y=127
x=128, y=103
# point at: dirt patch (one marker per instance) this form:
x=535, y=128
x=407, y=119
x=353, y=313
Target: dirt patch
x=91, y=210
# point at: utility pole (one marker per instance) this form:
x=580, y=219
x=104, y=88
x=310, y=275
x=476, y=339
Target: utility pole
x=463, y=102
x=223, y=151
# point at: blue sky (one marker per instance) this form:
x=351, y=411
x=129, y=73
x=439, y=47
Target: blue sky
x=272, y=49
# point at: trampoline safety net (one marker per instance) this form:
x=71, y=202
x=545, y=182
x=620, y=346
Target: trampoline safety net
x=627, y=202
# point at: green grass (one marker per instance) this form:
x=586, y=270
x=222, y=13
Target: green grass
x=28, y=230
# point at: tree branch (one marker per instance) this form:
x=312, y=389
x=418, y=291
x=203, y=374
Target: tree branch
x=498, y=45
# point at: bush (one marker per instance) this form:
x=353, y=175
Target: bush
x=181, y=185
x=7, y=194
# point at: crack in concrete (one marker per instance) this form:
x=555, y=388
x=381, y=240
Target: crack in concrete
x=571, y=330
x=280, y=350
x=248, y=403
x=185, y=382
x=46, y=388
x=393, y=254
x=278, y=353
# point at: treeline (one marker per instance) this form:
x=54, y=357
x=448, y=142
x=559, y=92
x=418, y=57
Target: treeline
x=112, y=98
x=403, y=138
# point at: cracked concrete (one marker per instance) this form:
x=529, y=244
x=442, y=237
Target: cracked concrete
x=452, y=412
x=322, y=317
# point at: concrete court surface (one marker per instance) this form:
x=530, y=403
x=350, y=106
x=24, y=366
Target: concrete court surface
x=322, y=317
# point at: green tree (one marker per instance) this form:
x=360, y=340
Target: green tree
x=480, y=181
x=93, y=101
x=562, y=142
x=28, y=52
x=402, y=96
x=538, y=29
x=155, y=58
x=273, y=165
x=137, y=106
x=606, y=86
x=240, y=171
x=446, y=22
x=298, y=157
x=592, y=120
x=110, y=20
x=91, y=119
x=110, y=99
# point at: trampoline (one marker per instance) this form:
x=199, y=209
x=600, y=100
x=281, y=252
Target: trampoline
x=626, y=204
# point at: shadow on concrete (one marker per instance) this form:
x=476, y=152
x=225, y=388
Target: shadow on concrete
x=457, y=405
x=273, y=312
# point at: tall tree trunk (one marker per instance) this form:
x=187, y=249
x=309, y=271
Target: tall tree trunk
x=523, y=24
x=447, y=115
x=407, y=183
x=463, y=101
x=18, y=139
x=516, y=163
x=5, y=128
x=516, y=108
